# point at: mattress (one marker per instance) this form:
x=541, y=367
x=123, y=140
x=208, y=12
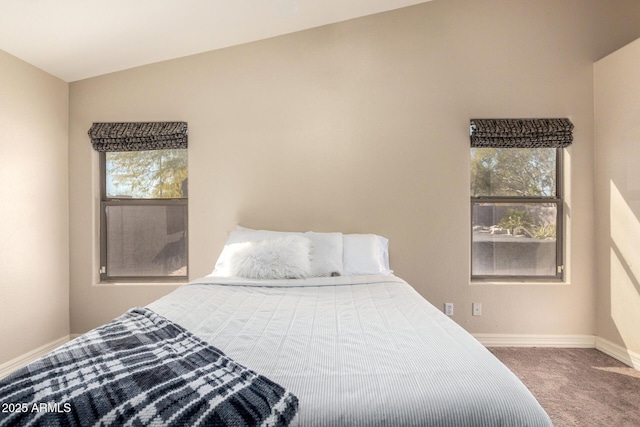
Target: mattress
x=357, y=351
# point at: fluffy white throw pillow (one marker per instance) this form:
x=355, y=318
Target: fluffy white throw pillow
x=326, y=254
x=280, y=258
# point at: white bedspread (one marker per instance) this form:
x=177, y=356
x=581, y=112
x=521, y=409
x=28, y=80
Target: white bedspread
x=364, y=350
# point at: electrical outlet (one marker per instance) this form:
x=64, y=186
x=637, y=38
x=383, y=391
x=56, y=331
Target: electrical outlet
x=477, y=309
x=448, y=308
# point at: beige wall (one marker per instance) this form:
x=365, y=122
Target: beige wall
x=34, y=212
x=617, y=178
x=362, y=126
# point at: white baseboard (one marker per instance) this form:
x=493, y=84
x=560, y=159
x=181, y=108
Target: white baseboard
x=7, y=367
x=618, y=352
x=558, y=341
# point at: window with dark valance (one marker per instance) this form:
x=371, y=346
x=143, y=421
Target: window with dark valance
x=521, y=133
x=517, y=198
x=144, y=198
x=138, y=136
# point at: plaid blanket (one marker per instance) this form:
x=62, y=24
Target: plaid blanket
x=141, y=369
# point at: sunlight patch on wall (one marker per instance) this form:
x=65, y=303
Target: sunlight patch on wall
x=625, y=268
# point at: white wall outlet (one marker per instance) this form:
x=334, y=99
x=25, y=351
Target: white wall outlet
x=477, y=309
x=448, y=308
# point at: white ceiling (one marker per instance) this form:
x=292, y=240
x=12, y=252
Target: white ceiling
x=77, y=39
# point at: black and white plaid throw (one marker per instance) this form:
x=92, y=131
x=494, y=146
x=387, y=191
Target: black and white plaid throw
x=141, y=370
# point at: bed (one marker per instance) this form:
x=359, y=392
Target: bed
x=349, y=345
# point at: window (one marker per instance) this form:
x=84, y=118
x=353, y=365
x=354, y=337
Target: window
x=516, y=212
x=144, y=214
x=516, y=207
x=143, y=203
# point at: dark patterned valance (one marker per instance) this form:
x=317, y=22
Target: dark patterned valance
x=521, y=133
x=138, y=136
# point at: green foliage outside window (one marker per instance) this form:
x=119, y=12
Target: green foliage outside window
x=515, y=220
x=520, y=223
x=147, y=174
x=515, y=172
x=544, y=231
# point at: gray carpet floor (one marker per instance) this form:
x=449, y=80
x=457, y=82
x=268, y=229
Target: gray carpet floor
x=577, y=387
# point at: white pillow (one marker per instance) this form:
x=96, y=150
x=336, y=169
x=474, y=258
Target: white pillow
x=326, y=254
x=348, y=254
x=232, y=245
x=284, y=257
x=365, y=254
x=326, y=249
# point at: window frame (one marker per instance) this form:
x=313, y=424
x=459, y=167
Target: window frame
x=558, y=200
x=106, y=201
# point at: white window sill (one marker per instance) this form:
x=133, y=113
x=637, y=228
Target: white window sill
x=109, y=284
x=519, y=283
